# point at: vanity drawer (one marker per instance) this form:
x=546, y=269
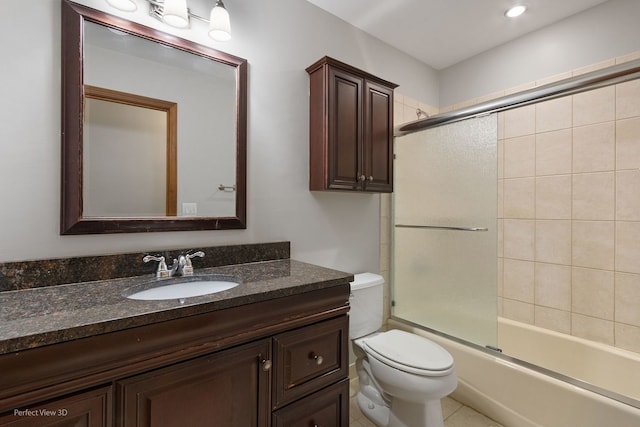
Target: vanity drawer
x=327, y=407
x=309, y=358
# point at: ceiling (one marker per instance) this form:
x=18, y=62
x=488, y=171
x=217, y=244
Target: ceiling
x=441, y=33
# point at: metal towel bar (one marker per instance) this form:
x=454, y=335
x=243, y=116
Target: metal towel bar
x=440, y=227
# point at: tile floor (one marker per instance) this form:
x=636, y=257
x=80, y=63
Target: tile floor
x=455, y=414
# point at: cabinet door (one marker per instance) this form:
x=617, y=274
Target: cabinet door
x=345, y=130
x=88, y=409
x=226, y=389
x=327, y=407
x=378, y=138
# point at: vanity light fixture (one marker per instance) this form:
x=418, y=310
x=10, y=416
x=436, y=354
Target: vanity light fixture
x=515, y=11
x=176, y=14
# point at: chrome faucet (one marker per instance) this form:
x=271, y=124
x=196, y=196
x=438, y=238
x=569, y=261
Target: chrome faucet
x=181, y=266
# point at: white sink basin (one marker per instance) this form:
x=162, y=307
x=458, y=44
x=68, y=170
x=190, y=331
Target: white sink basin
x=183, y=289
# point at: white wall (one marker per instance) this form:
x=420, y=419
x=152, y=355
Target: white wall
x=600, y=33
x=280, y=38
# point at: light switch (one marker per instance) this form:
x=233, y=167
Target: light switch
x=189, y=209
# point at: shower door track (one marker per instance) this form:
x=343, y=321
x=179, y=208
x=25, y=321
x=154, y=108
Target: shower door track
x=593, y=80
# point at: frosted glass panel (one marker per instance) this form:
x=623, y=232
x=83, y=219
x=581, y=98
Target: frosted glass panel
x=446, y=279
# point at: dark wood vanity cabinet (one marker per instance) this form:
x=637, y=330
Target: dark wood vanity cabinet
x=280, y=362
x=351, y=129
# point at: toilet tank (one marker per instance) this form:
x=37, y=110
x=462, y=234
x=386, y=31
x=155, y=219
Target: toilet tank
x=365, y=315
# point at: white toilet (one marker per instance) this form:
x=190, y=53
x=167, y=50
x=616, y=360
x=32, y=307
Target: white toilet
x=402, y=376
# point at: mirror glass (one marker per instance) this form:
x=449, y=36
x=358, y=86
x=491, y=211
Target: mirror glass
x=161, y=141
x=129, y=155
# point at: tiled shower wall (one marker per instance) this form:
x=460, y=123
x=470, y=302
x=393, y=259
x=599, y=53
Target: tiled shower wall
x=569, y=210
x=569, y=215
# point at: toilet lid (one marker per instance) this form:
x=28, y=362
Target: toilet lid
x=409, y=352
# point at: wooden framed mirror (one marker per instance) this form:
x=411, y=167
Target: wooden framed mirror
x=199, y=174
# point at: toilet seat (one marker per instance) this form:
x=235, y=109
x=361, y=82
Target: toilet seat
x=410, y=353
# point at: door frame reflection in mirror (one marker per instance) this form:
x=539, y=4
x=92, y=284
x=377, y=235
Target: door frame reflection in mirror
x=72, y=220
x=171, y=135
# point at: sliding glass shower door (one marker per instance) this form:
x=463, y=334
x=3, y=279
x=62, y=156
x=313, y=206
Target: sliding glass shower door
x=445, y=237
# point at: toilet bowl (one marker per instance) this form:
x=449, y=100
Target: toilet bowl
x=402, y=376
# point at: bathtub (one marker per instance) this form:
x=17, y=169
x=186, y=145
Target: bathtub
x=518, y=396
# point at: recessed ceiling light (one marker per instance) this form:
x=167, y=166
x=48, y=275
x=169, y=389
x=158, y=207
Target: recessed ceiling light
x=515, y=11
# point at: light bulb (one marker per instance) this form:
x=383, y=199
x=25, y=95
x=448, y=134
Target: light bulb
x=515, y=11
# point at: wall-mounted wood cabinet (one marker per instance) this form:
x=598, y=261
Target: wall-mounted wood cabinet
x=351, y=129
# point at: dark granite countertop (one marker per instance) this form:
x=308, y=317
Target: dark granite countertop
x=36, y=317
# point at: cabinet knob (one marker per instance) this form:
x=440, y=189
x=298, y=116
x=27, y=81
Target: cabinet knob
x=319, y=359
x=370, y=178
x=266, y=364
x=362, y=178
